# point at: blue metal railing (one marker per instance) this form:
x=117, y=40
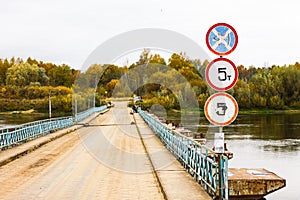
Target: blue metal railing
x=208, y=168
x=82, y=115
x=25, y=132
x=33, y=130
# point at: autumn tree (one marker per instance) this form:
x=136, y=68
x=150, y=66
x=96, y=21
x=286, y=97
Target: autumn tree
x=61, y=76
x=157, y=59
x=24, y=74
x=111, y=86
x=4, y=65
x=180, y=61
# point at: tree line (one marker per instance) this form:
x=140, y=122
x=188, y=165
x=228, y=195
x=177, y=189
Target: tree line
x=19, y=73
x=275, y=87
x=28, y=84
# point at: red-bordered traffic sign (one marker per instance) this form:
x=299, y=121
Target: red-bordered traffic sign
x=221, y=74
x=221, y=39
x=221, y=109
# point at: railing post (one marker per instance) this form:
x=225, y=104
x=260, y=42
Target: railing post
x=223, y=178
x=220, y=176
x=211, y=169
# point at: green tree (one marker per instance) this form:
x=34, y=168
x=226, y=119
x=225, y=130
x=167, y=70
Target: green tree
x=111, y=86
x=202, y=99
x=111, y=72
x=258, y=101
x=24, y=74
x=156, y=58
x=242, y=94
x=93, y=74
x=291, y=83
x=180, y=61
x=61, y=76
x=144, y=57
x=4, y=65
x=276, y=102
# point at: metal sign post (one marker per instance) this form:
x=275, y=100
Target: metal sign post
x=221, y=74
x=219, y=142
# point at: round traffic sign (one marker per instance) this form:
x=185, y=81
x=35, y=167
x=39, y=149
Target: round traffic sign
x=221, y=74
x=221, y=39
x=221, y=109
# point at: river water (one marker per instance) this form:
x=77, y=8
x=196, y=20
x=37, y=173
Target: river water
x=270, y=141
x=256, y=140
x=7, y=121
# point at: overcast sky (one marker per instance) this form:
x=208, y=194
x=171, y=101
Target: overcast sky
x=67, y=31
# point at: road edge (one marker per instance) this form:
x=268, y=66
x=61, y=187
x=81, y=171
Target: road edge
x=33, y=145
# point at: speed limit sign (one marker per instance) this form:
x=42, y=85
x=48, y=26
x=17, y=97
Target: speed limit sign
x=221, y=74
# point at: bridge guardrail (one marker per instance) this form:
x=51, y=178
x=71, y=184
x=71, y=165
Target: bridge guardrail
x=82, y=115
x=207, y=168
x=29, y=131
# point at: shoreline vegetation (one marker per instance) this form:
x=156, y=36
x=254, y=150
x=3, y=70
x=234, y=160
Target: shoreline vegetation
x=26, y=86
x=248, y=111
x=32, y=112
x=241, y=112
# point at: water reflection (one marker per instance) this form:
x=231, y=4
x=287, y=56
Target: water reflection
x=263, y=141
x=259, y=126
x=287, y=145
x=278, y=126
x=254, y=126
x=12, y=120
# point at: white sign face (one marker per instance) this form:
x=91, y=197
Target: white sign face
x=221, y=74
x=221, y=109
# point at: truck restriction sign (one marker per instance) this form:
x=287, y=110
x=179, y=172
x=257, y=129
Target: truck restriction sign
x=221, y=109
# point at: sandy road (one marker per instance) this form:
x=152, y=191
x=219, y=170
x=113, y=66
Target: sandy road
x=102, y=161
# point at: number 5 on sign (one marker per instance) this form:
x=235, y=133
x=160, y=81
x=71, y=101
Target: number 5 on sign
x=221, y=74
x=222, y=70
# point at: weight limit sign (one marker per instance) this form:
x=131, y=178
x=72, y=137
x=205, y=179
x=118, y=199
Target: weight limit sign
x=221, y=109
x=221, y=74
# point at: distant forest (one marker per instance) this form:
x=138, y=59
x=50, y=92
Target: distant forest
x=27, y=84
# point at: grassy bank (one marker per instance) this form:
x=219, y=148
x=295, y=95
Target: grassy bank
x=269, y=111
x=243, y=111
x=35, y=113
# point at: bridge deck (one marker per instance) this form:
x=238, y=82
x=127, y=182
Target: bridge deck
x=176, y=182
x=13, y=153
x=106, y=160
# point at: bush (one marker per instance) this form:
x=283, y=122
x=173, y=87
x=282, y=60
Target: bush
x=259, y=101
x=276, y=102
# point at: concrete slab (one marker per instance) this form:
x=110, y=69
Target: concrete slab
x=253, y=183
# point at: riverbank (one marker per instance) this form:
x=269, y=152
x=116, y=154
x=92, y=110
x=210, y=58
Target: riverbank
x=24, y=112
x=268, y=111
x=35, y=113
x=11, y=118
x=243, y=111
